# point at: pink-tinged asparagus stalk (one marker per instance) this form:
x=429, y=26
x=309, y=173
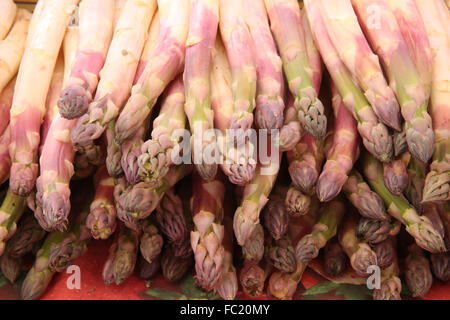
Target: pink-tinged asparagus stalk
x=288, y=30
x=270, y=82
x=395, y=175
x=164, y=65
x=96, y=28
x=6, y=97
x=56, y=85
x=368, y=203
x=360, y=254
x=415, y=36
x=227, y=286
x=305, y=163
x=255, y=196
x=8, y=11
x=13, y=46
x=203, y=23
x=138, y=201
x=375, y=135
x=420, y=227
x=159, y=151
x=437, y=182
x=343, y=153
x=5, y=160
x=387, y=41
x=354, y=50
x=56, y=161
x=283, y=285
x=291, y=131
x=46, y=32
x=206, y=239
x=114, y=150
x=102, y=216
x=237, y=40
x=118, y=8
x=117, y=74
x=238, y=161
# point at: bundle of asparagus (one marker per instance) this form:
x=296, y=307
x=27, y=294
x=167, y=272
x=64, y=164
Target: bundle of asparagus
x=143, y=91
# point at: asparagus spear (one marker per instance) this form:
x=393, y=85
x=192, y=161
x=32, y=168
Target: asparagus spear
x=395, y=175
x=159, y=151
x=12, y=208
x=6, y=97
x=117, y=74
x=165, y=64
x=375, y=231
x=330, y=217
x=343, y=153
x=270, y=82
x=204, y=20
x=170, y=217
x=276, y=218
x=151, y=241
x=53, y=191
x=238, y=162
x=399, y=140
x=386, y=252
x=96, y=29
x=297, y=203
x=255, y=196
x=416, y=180
x=173, y=267
x=206, y=239
x=391, y=285
x=13, y=46
x=305, y=163
x=8, y=10
x=368, y=203
x=237, y=39
x=437, y=183
x=252, y=278
x=41, y=52
x=440, y=264
x=375, y=135
x=419, y=227
x=403, y=76
x=418, y=275
x=122, y=256
x=253, y=248
x=227, y=286
x=287, y=27
x=139, y=200
x=102, y=216
x=334, y=259
x=360, y=254
x=281, y=254
x=291, y=131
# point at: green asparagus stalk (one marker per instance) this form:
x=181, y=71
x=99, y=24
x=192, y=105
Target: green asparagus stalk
x=325, y=228
x=375, y=134
x=122, y=256
x=418, y=275
x=288, y=29
x=11, y=210
x=420, y=227
x=368, y=203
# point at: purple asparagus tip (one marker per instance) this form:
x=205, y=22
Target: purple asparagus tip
x=74, y=101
